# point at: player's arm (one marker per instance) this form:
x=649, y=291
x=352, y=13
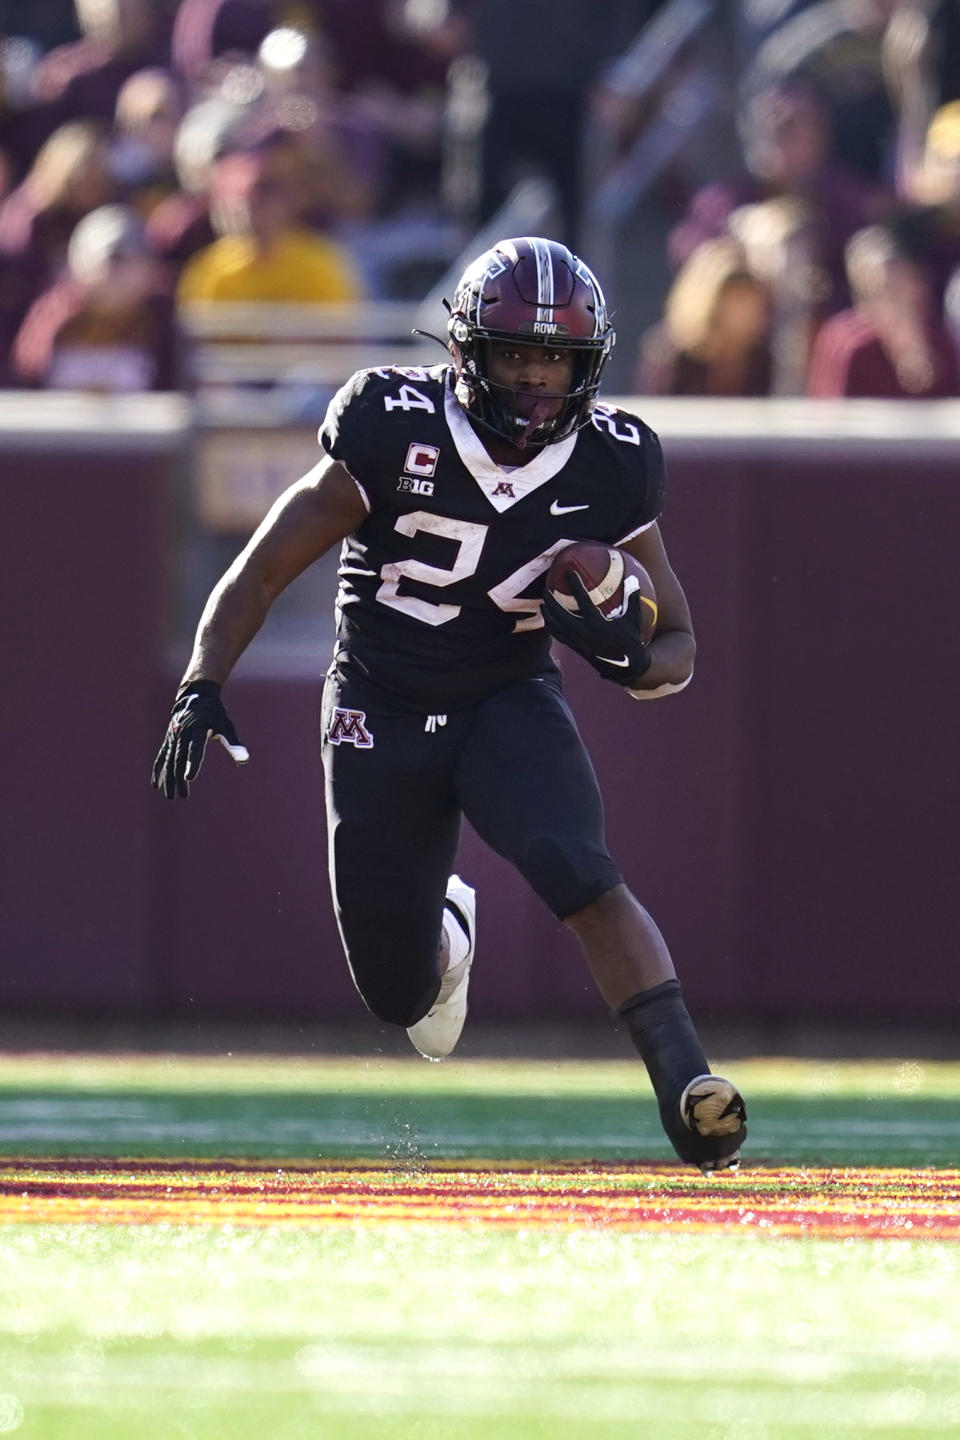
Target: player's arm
x=313, y=515
x=672, y=649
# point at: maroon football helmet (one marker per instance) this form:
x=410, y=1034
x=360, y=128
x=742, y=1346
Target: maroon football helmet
x=529, y=292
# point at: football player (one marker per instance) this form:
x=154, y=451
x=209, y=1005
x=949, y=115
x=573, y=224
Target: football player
x=450, y=490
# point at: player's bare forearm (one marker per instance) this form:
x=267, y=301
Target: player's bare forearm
x=673, y=647
x=234, y=612
x=672, y=655
x=310, y=517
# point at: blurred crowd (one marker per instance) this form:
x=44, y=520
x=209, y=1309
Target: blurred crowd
x=156, y=156
x=823, y=264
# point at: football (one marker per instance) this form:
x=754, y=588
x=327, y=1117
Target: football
x=605, y=572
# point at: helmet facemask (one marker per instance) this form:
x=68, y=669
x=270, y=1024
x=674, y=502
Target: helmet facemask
x=528, y=417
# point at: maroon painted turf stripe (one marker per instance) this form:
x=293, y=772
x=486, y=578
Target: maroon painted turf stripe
x=801, y=1201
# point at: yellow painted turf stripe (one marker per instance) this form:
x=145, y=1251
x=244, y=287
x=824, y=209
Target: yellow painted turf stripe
x=801, y=1201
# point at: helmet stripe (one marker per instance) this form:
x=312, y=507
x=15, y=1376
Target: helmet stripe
x=545, y=293
x=599, y=304
x=600, y=318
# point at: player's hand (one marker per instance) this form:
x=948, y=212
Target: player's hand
x=197, y=714
x=613, y=645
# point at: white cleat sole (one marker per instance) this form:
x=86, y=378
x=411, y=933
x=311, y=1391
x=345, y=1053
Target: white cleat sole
x=436, y=1035
x=715, y=1167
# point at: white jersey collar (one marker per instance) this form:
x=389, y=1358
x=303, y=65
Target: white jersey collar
x=503, y=487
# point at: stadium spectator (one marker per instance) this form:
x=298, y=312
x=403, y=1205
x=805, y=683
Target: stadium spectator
x=781, y=242
x=69, y=177
x=714, y=338
x=384, y=104
x=282, y=101
x=352, y=97
x=340, y=153
x=839, y=47
x=909, y=69
x=892, y=343
x=149, y=111
x=929, y=228
x=785, y=133
x=82, y=79
x=108, y=324
x=393, y=72
x=181, y=224
x=264, y=253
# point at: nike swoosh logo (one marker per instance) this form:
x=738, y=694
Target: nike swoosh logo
x=607, y=661
x=556, y=509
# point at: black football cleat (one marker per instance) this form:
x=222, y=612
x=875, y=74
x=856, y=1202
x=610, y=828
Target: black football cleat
x=713, y=1117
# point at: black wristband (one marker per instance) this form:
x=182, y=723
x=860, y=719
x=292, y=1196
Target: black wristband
x=208, y=689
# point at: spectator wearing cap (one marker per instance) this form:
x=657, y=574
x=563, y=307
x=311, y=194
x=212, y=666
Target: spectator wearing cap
x=264, y=253
x=892, y=343
x=107, y=325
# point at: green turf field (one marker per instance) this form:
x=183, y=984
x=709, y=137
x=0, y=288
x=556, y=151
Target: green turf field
x=473, y=1250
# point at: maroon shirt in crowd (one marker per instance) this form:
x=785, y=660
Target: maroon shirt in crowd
x=849, y=359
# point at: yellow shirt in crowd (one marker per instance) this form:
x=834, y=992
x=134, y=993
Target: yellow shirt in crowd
x=299, y=266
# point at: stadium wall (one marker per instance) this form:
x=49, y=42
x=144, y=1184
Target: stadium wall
x=790, y=819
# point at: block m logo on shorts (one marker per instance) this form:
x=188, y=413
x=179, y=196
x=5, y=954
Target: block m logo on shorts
x=349, y=727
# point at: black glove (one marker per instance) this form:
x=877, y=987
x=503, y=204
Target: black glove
x=197, y=713
x=614, y=646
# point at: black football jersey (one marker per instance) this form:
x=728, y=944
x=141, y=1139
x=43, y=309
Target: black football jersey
x=439, y=594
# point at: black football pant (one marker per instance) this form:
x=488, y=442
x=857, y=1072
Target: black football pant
x=397, y=784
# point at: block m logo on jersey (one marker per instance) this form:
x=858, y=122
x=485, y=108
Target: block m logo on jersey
x=349, y=727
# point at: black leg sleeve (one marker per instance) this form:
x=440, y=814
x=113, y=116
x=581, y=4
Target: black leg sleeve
x=668, y=1044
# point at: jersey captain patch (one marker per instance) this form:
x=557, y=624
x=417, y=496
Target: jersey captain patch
x=422, y=459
